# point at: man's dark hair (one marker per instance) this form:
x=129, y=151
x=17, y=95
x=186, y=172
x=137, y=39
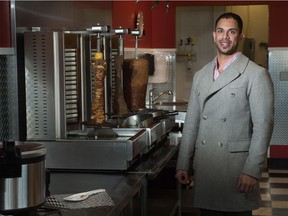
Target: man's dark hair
x=231, y=16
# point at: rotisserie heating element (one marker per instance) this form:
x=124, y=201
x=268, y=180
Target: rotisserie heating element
x=72, y=85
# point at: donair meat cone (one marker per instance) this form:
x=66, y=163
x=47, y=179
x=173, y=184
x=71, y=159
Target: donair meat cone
x=135, y=80
x=99, y=67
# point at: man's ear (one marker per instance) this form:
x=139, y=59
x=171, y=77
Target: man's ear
x=214, y=35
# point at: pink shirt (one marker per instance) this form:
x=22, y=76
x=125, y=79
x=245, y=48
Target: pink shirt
x=230, y=61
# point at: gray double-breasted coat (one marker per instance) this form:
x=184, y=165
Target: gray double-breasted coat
x=227, y=132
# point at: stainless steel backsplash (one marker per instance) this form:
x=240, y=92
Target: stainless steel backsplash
x=278, y=68
x=8, y=98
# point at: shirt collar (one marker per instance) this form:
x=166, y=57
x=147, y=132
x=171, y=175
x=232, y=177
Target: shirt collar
x=230, y=61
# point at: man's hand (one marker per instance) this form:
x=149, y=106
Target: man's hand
x=182, y=176
x=246, y=183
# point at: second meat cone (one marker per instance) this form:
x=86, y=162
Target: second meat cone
x=135, y=80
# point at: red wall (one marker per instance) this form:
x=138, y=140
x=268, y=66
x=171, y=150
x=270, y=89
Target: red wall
x=278, y=151
x=163, y=26
x=160, y=27
x=278, y=31
x=5, y=32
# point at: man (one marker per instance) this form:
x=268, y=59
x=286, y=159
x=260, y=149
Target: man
x=228, y=127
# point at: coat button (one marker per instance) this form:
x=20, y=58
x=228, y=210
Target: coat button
x=205, y=117
x=223, y=119
x=220, y=144
x=198, y=93
x=232, y=94
x=203, y=142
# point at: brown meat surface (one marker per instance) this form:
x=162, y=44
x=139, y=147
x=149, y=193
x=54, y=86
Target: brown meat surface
x=135, y=80
x=99, y=67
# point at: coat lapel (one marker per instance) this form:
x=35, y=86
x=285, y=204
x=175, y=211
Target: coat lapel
x=231, y=73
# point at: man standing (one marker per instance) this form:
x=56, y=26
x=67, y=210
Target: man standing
x=228, y=127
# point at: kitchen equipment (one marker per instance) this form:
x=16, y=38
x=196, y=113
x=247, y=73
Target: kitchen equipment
x=116, y=153
x=60, y=84
x=140, y=23
x=138, y=121
x=102, y=133
x=155, y=4
x=119, y=104
x=71, y=140
x=167, y=6
x=99, y=71
x=82, y=196
x=22, y=176
x=139, y=31
x=158, y=113
x=82, y=151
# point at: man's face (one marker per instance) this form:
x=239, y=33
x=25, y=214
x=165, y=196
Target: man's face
x=227, y=36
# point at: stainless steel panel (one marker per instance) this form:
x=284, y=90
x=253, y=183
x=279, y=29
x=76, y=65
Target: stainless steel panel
x=278, y=59
x=168, y=124
x=284, y=75
x=27, y=191
x=114, y=154
x=39, y=78
x=155, y=133
x=8, y=98
x=44, y=77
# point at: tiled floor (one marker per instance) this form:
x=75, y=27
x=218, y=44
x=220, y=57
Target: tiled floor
x=274, y=193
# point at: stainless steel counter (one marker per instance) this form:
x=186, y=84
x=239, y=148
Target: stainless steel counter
x=121, y=187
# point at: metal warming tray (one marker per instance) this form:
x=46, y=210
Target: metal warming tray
x=168, y=124
x=78, y=153
x=156, y=122
x=115, y=149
